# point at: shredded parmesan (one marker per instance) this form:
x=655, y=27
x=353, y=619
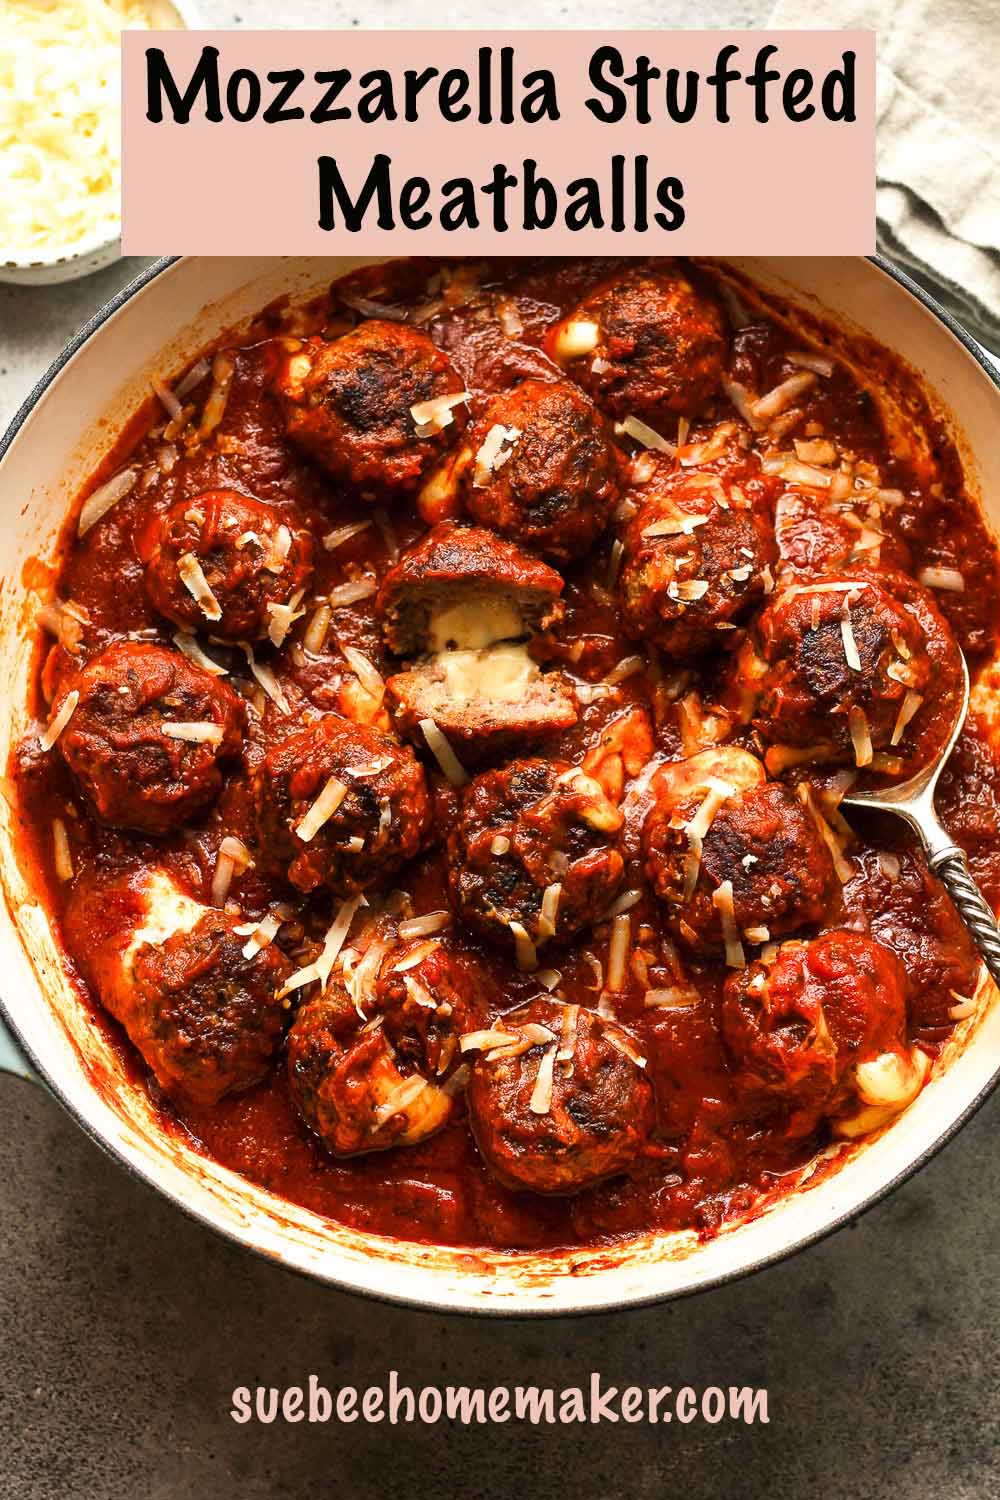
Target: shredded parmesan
x=442, y=752
x=196, y=733
x=58, y=724
x=847, y=633
x=675, y=526
x=548, y=914
x=423, y=926
x=621, y=934
x=100, y=502
x=722, y=900
x=283, y=617
x=861, y=738
x=647, y=436
x=541, y=1095
x=776, y=401
x=266, y=678
x=188, y=645
x=524, y=948
x=485, y=1041
x=334, y=539
x=197, y=585
x=321, y=811
x=322, y=967
x=232, y=859
x=62, y=857
x=261, y=936
x=351, y=593
x=370, y=679
x=948, y=579
x=60, y=122
x=493, y=453
x=909, y=706
x=435, y=415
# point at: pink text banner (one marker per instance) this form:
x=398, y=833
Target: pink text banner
x=701, y=142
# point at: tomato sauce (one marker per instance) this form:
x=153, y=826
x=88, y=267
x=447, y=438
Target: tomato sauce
x=707, y=1161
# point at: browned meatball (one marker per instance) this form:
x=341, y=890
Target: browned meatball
x=543, y=468
x=147, y=736
x=647, y=343
x=799, y=1028
x=697, y=555
x=833, y=663
x=707, y=828
x=350, y=403
x=206, y=1018
x=562, y=1104
x=218, y=562
x=367, y=1085
x=533, y=856
x=339, y=805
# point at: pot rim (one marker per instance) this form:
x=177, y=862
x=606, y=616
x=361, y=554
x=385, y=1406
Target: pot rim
x=429, y=1304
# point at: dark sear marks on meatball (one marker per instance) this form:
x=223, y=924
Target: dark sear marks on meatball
x=227, y=564
x=839, y=669
x=533, y=856
x=646, y=344
x=558, y=1098
x=698, y=554
x=376, y=408
x=735, y=858
x=205, y=1014
x=539, y=466
x=147, y=735
x=647, y=585
x=339, y=806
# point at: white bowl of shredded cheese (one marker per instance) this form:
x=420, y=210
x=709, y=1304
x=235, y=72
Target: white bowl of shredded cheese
x=60, y=131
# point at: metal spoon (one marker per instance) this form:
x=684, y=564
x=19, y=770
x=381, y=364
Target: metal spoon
x=914, y=801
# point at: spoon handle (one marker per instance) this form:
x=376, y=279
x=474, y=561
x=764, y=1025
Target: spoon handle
x=950, y=866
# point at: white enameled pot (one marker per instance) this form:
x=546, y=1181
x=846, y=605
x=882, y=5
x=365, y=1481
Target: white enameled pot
x=158, y=323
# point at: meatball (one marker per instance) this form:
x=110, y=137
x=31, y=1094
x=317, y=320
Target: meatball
x=647, y=343
x=816, y=1029
x=543, y=470
x=533, y=855
x=465, y=599
x=370, y=1059
x=697, y=556
x=707, y=828
x=465, y=588
x=339, y=805
x=350, y=405
x=562, y=1104
x=207, y=1019
x=147, y=736
x=836, y=666
x=225, y=562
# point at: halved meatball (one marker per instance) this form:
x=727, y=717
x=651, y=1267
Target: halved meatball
x=370, y=1059
x=542, y=468
x=224, y=562
x=646, y=343
x=697, y=555
x=716, y=819
x=464, y=587
x=464, y=599
x=533, y=856
x=350, y=405
x=148, y=734
x=822, y=1029
x=558, y=1098
x=838, y=668
x=339, y=805
x=207, y=1019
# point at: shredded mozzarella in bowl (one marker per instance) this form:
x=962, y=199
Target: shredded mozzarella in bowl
x=60, y=122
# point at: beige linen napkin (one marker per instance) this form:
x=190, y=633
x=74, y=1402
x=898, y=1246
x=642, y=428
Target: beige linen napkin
x=938, y=114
